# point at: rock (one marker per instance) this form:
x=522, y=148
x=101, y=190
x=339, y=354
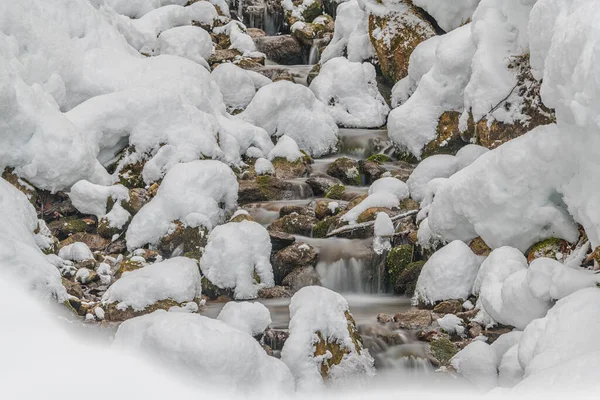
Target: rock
x=384, y=318
x=479, y=247
x=323, y=209
x=138, y=197
x=282, y=49
x=275, y=292
x=406, y=281
x=290, y=209
x=65, y=227
x=127, y=266
x=398, y=259
x=222, y=55
x=449, y=139
x=346, y=170
x=313, y=73
x=295, y=224
x=107, y=231
x=186, y=239
x=256, y=32
x=280, y=240
x=269, y=188
x=94, y=241
x=402, y=170
x=275, y=338
x=320, y=184
x=321, y=228
x=85, y=276
x=494, y=333
x=73, y=288
x=408, y=27
x=371, y=213
x=21, y=184
x=301, y=277
x=468, y=315
x=415, y=319
x=448, y=307
x=295, y=256
x=475, y=330
x=285, y=169
x=409, y=204
x=320, y=28
x=371, y=170
x=242, y=217
x=379, y=158
x=442, y=350
x=336, y=192
x=114, y=314
x=554, y=248
x=116, y=247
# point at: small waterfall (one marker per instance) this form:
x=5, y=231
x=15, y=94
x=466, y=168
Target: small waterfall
x=342, y=276
x=313, y=56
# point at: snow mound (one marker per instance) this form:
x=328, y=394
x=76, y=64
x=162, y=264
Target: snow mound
x=190, y=42
x=448, y=274
x=77, y=251
x=379, y=199
x=449, y=14
x=350, y=91
x=318, y=311
x=196, y=193
x=350, y=35
x=238, y=85
x=390, y=185
x=252, y=318
x=287, y=148
x=285, y=108
x=262, y=166
x=176, y=279
x=89, y=198
x=438, y=166
x=477, y=363
x=235, y=252
x=186, y=341
x=19, y=253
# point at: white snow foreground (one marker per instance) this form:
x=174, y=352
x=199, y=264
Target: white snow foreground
x=319, y=314
x=448, y=274
x=235, y=252
x=198, y=193
x=350, y=91
x=207, y=349
x=252, y=318
x=285, y=108
x=177, y=279
x=20, y=256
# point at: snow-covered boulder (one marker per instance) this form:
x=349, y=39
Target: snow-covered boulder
x=198, y=193
x=89, y=198
x=448, y=274
x=287, y=148
x=438, y=166
x=262, y=166
x=252, y=318
x=208, y=349
x=190, y=42
x=449, y=15
x=323, y=342
x=285, y=108
x=237, y=253
x=161, y=285
x=350, y=92
x=478, y=364
x=77, y=251
x=238, y=85
x=390, y=185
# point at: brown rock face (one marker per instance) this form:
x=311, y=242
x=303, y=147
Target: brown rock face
x=448, y=307
x=415, y=319
x=283, y=49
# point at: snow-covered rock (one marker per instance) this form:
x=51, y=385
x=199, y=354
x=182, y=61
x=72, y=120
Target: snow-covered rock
x=199, y=193
x=477, y=363
x=208, y=349
x=287, y=148
x=190, y=42
x=77, y=251
x=235, y=252
x=285, y=108
x=448, y=274
x=321, y=327
x=390, y=185
x=262, y=166
x=238, y=85
x=249, y=317
x=89, y=198
x=438, y=166
x=449, y=15
x=350, y=91
x=176, y=279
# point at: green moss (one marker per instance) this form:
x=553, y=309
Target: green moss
x=322, y=227
x=397, y=260
x=72, y=226
x=406, y=280
x=312, y=11
x=443, y=350
x=192, y=239
x=289, y=169
x=379, y=158
x=336, y=192
x=547, y=248
x=127, y=266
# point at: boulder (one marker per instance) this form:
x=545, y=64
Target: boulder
x=448, y=307
x=371, y=170
x=280, y=240
x=406, y=280
x=282, y=49
x=320, y=184
x=269, y=188
x=295, y=256
x=94, y=241
x=186, y=239
x=301, y=277
x=346, y=170
x=414, y=319
x=275, y=292
x=295, y=224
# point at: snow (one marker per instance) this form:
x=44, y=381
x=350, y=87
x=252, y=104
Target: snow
x=350, y=91
x=437, y=166
x=176, y=279
x=77, y=251
x=449, y=15
x=252, y=318
x=317, y=309
x=468, y=154
x=89, y=198
x=262, y=166
x=351, y=35
x=137, y=8
x=199, y=192
x=287, y=148
x=83, y=275
x=451, y=324
x=208, y=349
x=390, y=185
x=190, y=42
x=384, y=225
x=240, y=40
x=235, y=252
x=237, y=85
x=509, y=371
x=285, y=108
x=379, y=199
x=448, y=274
x=477, y=363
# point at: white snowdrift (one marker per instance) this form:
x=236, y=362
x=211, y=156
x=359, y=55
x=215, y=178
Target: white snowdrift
x=199, y=193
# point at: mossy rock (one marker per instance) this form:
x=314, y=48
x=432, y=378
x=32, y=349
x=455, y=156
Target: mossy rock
x=356, y=201
x=336, y=192
x=549, y=248
x=130, y=175
x=65, y=227
x=406, y=280
x=409, y=204
x=313, y=73
x=449, y=139
x=213, y=291
x=393, y=51
x=398, y=259
x=138, y=197
x=115, y=315
x=443, y=350
x=242, y=217
x=322, y=227
x=323, y=210
x=193, y=239
x=346, y=170
x=312, y=11
x=379, y=158
x=107, y=231
x=127, y=266
x=285, y=169
x=370, y=214
x=479, y=247
x=294, y=224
